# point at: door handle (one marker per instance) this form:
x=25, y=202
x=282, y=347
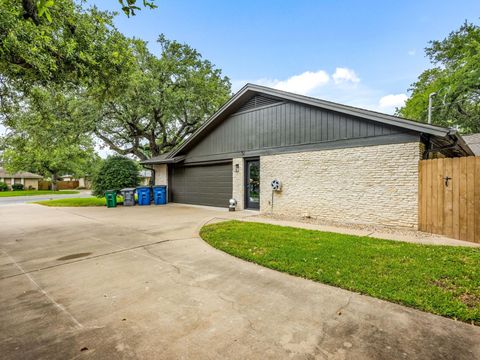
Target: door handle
x=447, y=178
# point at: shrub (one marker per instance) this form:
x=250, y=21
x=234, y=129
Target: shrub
x=17, y=187
x=3, y=186
x=115, y=173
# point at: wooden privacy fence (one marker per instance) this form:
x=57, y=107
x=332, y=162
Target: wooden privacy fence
x=61, y=185
x=449, y=197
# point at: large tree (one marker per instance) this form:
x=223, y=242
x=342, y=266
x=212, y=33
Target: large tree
x=49, y=67
x=455, y=79
x=49, y=133
x=75, y=47
x=167, y=98
x=35, y=9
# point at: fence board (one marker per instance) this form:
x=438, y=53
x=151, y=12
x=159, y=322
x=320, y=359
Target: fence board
x=456, y=199
x=429, y=198
x=434, y=195
x=477, y=199
x=470, y=199
x=440, y=195
x=448, y=199
x=450, y=207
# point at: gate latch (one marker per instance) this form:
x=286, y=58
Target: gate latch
x=446, y=180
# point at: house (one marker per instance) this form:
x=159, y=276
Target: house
x=27, y=179
x=334, y=162
x=144, y=177
x=84, y=182
x=67, y=178
x=473, y=141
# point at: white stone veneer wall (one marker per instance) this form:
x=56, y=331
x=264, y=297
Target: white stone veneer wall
x=366, y=185
x=161, y=174
x=238, y=183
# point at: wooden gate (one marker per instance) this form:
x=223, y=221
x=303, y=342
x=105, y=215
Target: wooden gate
x=449, y=197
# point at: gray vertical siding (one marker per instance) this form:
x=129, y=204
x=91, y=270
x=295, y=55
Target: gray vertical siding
x=284, y=124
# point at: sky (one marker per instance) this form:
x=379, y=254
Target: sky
x=359, y=53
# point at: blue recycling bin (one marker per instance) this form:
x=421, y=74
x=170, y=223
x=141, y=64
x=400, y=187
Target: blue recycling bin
x=160, y=194
x=143, y=193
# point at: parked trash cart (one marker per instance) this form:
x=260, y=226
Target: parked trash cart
x=128, y=196
x=144, y=193
x=160, y=194
x=111, y=198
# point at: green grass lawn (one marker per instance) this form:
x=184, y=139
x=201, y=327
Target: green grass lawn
x=77, y=202
x=443, y=280
x=35, y=192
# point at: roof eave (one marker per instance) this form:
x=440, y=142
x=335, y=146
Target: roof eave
x=173, y=160
x=363, y=113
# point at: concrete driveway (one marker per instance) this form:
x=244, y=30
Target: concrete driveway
x=137, y=282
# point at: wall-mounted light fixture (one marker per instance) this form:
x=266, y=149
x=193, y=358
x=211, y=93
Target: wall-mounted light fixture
x=237, y=168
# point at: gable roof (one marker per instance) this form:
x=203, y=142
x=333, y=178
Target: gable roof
x=443, y=135
x=23, y=174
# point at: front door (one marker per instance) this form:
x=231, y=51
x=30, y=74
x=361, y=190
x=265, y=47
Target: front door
x=252, y=184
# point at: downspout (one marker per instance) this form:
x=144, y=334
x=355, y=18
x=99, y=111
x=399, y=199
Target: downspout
x=428, y=146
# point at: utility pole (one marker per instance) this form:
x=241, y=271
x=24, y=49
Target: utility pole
x=430, y=101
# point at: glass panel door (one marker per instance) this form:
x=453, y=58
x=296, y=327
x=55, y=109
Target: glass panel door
x=252, y=183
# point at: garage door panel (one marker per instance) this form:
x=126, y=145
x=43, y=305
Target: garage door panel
x=202, y=185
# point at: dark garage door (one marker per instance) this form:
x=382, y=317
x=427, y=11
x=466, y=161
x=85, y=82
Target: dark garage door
x=202, y=185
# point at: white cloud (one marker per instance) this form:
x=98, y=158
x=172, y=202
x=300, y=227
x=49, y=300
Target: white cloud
x=346, y=88
x=345, y=75
x=304, y=83
x=392, y=101
x=411, y=52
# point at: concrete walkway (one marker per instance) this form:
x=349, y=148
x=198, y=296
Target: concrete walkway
x=137, y=282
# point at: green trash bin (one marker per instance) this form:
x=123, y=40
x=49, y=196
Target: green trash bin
x=111, y=198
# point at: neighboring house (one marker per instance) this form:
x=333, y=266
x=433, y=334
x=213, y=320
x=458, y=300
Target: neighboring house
x=335, y=162
x=145, y=176
x=84, y=182
x=473, y=142
x=67, y=178
x=29, y=180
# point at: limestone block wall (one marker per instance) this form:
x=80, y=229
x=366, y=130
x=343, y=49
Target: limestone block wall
x=376, y=185
x=238, y=182
x=161, y=174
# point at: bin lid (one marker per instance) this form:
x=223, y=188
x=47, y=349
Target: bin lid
x=159, y=186
x=110, y=191
x=128, y=189
x=143, y=187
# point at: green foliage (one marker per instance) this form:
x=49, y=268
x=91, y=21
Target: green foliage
x=48, y=134
x=43, y=7
x=455, y=79
x=77, y=47
x=94, y=80
x=444, y=280
x=115, y=173
x=164, y=100
x=3, y=186
x=17, y=187
x=130, y=6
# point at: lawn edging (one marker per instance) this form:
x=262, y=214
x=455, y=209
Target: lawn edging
x=442, y=280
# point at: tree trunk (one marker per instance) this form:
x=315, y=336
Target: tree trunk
x=54, y=181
